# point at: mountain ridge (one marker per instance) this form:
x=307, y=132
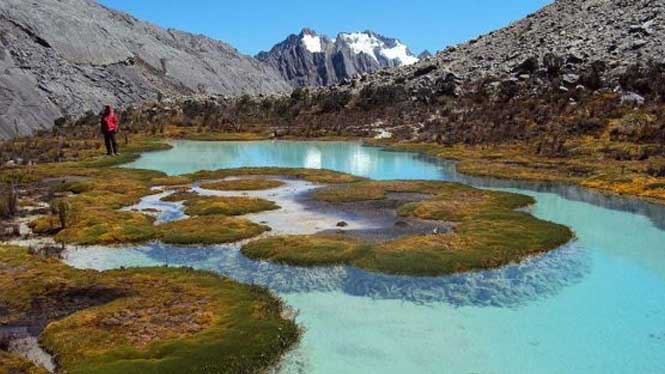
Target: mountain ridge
x=310, y=59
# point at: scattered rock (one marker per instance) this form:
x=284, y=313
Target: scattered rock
x=631, y=98
x=570, y=79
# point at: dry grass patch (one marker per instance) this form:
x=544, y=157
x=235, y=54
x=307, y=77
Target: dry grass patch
x=13, y=364
x=180, y=196
x=311, y=175
x=357, y=192
x=170, y=181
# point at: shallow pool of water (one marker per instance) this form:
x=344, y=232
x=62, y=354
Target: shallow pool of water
x=595, y=306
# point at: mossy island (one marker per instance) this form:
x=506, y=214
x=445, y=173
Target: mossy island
x=485, y=230
x=141, y=320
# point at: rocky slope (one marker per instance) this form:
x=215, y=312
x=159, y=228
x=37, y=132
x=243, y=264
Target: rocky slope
x=310, y=59
x=65, y=57
x=568, y=35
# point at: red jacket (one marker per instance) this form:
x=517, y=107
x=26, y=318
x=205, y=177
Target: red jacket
x=110, y=122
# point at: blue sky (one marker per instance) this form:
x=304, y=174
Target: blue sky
x=252, y=26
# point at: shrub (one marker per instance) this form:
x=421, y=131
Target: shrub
x=380, y=96
x=8, y=201
x=656, y=168
x=61, y=209
x=334, y=101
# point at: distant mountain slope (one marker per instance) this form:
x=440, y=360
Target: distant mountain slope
x=616, y=33
x=64, y=57
x=309, y=59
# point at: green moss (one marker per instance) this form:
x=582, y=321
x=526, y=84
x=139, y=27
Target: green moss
x=155, y=320
x=209, y=230
x=487, y=233
x=227, y=205
x=255, y=184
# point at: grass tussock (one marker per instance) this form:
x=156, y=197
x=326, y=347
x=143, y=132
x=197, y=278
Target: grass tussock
x=209, y=230
x=356, y=192
x=254, y=184
x=101, y=226
x=307, y=250
x=170, y=181
x=488, y=232
x=227, y=205
x=154, y=320
x=180, y=196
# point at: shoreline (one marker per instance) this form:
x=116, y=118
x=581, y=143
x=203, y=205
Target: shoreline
x=421, y=148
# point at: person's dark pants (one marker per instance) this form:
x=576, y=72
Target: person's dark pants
x=111, y=144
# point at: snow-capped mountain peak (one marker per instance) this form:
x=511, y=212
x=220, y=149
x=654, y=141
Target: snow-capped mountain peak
x=375, y=45
x=311, y=59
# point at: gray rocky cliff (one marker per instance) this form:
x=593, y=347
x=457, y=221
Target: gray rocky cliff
x=66, y=57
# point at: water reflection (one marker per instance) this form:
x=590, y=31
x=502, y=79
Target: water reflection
x=510, y=286
x=655, y=212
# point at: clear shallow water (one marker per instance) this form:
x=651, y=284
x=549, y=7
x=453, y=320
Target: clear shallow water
x=595, y=306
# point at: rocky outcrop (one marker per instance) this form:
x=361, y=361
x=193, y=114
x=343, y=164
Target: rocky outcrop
x=425, y=55
x=310, y=59
x=65, y=57
x=564, y=38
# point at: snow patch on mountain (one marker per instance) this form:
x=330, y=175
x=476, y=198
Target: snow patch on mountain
x=362, y=43
x=399, y=52
x=373, y=46
x=312, y=43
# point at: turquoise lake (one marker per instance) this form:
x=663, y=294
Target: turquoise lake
x=596, y=305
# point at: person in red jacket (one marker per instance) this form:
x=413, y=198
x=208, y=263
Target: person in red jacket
x=109, y=129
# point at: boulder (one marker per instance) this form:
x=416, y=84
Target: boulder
x=631, y=98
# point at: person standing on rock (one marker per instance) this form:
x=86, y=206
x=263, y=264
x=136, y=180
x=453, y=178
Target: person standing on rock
x=109, y=129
